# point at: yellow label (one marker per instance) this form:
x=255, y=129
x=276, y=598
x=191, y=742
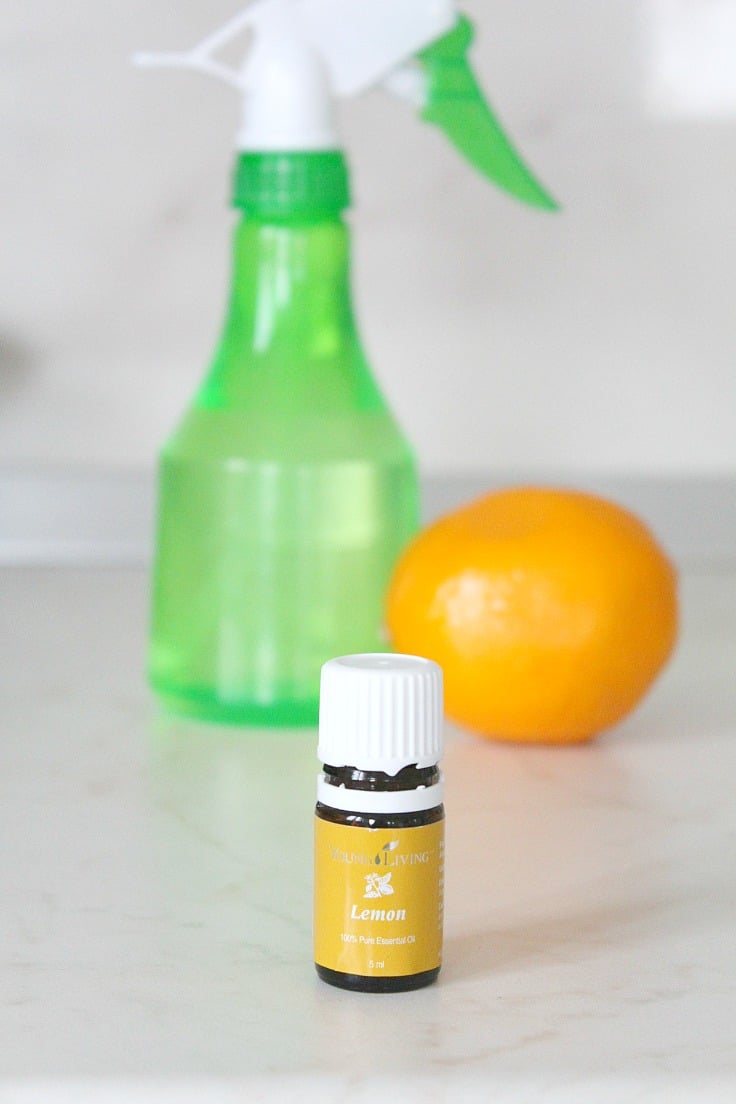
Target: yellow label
x=378, y=898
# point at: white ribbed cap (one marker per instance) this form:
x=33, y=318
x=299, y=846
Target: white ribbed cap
x=380, y=711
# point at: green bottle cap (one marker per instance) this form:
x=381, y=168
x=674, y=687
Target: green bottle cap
x=284, y=185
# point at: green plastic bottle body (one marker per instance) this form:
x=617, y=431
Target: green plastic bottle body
x=286, y=494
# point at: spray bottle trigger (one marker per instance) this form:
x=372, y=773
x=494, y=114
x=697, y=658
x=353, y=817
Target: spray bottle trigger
x=455, y=103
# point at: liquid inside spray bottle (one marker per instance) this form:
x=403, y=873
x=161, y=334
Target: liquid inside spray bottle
x=288, y=490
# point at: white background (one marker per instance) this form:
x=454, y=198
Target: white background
x=599, y=340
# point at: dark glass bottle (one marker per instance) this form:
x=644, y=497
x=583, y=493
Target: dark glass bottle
x=379, y=833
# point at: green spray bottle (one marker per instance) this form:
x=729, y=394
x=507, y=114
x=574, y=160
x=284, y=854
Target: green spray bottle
x=288, y=490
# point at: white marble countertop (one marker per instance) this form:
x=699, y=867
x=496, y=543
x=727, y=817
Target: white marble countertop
x=155, y=900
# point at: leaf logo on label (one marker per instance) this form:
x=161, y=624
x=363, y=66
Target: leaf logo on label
x=378, y=885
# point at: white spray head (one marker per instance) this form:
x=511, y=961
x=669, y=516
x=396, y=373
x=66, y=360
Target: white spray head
x=303, y=54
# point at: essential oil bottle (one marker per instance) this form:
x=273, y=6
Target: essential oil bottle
x=379, y=824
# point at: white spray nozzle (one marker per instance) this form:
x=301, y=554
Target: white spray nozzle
x=200, y=56
x=305, y=53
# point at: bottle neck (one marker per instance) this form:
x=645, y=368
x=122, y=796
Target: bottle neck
x=410, y=777
x=291, y=286
x=412, y=789
x=291, y=271
x=290, y=336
